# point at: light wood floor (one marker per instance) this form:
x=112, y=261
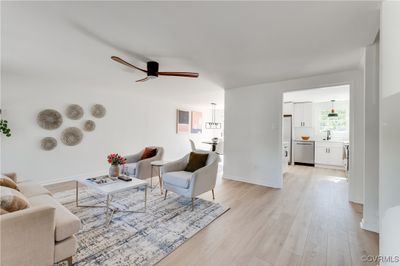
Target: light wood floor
x=308, y=222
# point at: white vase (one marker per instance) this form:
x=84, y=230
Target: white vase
x=114, y=171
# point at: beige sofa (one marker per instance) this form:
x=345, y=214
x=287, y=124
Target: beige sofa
x=42, y=234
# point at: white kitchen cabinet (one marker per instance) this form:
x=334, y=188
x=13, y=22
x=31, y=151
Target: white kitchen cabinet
x=303, y=114
x=329, y=153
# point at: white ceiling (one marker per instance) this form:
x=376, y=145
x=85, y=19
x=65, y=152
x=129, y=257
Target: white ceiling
x=229, y=43
x=337, y=93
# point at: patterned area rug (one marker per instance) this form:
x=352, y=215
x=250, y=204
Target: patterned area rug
x=136, y=238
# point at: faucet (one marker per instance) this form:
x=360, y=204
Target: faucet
x=328, y=135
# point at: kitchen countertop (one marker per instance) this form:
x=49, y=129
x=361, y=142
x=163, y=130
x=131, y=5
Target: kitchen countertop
x=331, y=141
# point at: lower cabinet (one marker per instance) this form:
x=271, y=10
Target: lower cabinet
x=329, y=153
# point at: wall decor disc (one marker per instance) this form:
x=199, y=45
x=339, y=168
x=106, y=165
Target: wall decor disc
x=74, y=112
x=89, y=125
x=98, y=110
x=49, y=119
x=48, y=143
x=71, y=136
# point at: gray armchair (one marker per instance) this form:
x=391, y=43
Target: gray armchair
x=190, y=184
x=141, y=168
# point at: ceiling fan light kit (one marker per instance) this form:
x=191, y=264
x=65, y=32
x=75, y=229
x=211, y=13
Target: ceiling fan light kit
x=152, y=70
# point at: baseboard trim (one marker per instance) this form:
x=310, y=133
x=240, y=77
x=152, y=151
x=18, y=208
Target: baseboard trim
x=244, y=180
x=330, y=167
x=69, y=178
x=369, y=226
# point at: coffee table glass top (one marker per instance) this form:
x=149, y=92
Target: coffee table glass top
x=113, y=187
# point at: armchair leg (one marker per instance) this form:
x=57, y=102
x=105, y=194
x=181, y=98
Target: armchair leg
x=192, y=204
x=212, y=190
x=69, y=261
x=165, y=196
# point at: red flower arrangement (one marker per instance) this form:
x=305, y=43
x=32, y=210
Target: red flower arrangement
x=116, y=159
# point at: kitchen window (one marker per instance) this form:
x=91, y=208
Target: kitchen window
x=338, y=124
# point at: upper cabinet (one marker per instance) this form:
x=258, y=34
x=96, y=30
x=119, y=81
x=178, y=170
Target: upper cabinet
x=303, y=114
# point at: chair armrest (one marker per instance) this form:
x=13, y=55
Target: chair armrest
x=204, y=179
x=27, y=236
x=175, y=166
x=143, y=167
x=133, y=158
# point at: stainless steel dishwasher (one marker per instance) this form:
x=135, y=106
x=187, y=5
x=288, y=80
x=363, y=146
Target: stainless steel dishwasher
x=304, y=152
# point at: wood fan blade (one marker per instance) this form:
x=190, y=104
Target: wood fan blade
x=143, y=80
x=119, y=60
x=180, y=74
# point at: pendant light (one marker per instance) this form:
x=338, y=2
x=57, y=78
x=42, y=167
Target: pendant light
x=333, y=113
x=213, y=124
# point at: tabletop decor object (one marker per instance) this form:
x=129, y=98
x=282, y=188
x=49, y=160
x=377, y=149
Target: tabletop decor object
x=98, y=111
x=48, y=143
x=89, y=125
x=49, y=119
x=74, y=112
x=71, y=136
x=115, y=160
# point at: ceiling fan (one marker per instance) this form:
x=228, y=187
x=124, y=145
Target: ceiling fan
x=152, y=70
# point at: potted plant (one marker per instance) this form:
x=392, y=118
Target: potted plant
x=115, y=160
x=4, y=128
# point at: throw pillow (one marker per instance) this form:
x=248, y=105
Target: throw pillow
x=12, y=200
x=7, y=182
x=13, y=176
x=148, y=153
x=196, y=161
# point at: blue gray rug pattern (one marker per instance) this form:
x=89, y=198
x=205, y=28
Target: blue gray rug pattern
x=136, y=238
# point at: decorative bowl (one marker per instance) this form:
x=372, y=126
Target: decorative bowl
x=305, y=137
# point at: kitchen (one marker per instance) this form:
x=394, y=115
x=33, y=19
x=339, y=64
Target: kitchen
x=315, y=128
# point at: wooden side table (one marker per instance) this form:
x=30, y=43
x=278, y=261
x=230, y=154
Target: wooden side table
x=156, y=165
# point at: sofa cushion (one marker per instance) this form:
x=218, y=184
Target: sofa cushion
x=31, y=188
x=67, y=224
x=179, y=179
x=196, y=161
x=12, y=200
x=130, y=169
x=5, y=181
x=148, y=153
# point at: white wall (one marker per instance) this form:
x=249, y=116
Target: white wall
x=370, y=219
x=132, y=122
x=253, y=118
x=389, y=185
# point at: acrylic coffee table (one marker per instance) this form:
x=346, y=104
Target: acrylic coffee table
x=109, y=190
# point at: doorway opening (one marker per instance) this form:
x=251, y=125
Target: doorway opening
x=316, y=128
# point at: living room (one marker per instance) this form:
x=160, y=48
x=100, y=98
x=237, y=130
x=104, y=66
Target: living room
x=95, y=92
